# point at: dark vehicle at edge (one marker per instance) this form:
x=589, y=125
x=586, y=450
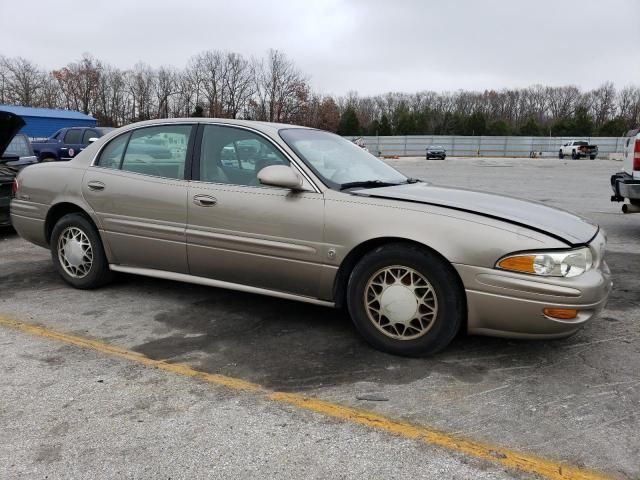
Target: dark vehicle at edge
x=10, y=162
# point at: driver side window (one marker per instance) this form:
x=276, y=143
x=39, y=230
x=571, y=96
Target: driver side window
x=235, y=156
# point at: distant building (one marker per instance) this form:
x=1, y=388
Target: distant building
x=43, y=122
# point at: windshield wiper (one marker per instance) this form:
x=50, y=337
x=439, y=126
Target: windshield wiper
x=375, y=183
x=367, y=184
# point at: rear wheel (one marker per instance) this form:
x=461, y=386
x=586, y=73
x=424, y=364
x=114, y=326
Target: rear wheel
x=560, y=155
x=592, y=157
x=48, y=159
x=405, y=300
x=78, y=254
x=574, y=155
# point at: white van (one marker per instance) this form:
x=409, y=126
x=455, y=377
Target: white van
x=626, y=184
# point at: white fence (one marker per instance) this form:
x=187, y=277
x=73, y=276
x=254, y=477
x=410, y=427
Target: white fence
x=481, y=146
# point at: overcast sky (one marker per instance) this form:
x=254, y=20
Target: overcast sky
x=365, y=45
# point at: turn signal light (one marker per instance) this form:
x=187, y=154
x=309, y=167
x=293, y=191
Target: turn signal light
x=14, y=187
x=522, y=264
x=561, y=313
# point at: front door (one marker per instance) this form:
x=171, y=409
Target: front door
x=139, y=192
x=240, y=231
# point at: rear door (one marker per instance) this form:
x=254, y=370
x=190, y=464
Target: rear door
x=139, y=193
x=240, y=231
x=71, y=144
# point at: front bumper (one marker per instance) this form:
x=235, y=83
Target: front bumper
x=624, y=186
x=508, y=304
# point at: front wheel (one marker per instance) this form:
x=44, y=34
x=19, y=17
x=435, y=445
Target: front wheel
x=405, y=300
x=78, y=254
x=592, y=157
x=560, y=155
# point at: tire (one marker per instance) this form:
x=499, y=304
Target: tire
x=85, y=264
x=592, y=157
x=560, y=155
x=48, y=159
x=574, y=155
x=441, y=306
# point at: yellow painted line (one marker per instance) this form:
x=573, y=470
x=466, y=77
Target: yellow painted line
x=508, y=458
x=177, y=368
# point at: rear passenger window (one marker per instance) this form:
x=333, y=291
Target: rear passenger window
x=73, y=136
x=111, y=155
x=158, y=151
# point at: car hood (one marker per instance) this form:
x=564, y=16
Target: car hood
x=10, y=124
x=562, y=225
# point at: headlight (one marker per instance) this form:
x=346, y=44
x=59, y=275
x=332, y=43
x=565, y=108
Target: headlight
x=549, y=264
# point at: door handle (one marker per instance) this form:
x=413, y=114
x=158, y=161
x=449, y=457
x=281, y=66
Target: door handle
x=95, y=186
x=204, y=200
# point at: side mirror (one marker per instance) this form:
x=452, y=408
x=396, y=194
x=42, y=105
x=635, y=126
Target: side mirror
x=280, y=176
x=93, y=139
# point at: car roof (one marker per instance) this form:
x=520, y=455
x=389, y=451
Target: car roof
x=270, y=127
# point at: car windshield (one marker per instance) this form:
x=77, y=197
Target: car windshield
x=337, y=161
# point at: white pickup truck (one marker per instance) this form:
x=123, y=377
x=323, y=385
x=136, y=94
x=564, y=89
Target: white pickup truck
x=578, y=149
x=626, y=184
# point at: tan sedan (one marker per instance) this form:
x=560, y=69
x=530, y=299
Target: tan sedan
x=303, y=214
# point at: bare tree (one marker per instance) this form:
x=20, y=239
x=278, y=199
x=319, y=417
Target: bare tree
x=23, y=80
x=239, y=84
x=281, y=89
x=165, y=86
x=140, y=83
x=603, y=103
x=78, y=82
x=629, y=105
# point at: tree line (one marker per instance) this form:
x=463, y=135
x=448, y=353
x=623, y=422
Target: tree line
x=228, y=85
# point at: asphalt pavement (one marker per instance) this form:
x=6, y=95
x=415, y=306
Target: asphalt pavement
x=73, y=412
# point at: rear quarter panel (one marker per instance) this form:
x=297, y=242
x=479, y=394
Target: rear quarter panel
x=42, y=187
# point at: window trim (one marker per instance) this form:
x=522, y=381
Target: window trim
x=129, y=133
x=195, y=167
x=194, y=157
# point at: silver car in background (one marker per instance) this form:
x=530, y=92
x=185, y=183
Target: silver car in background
x=303, y=214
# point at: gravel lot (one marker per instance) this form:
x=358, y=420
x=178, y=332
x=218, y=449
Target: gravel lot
x=67, y=412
